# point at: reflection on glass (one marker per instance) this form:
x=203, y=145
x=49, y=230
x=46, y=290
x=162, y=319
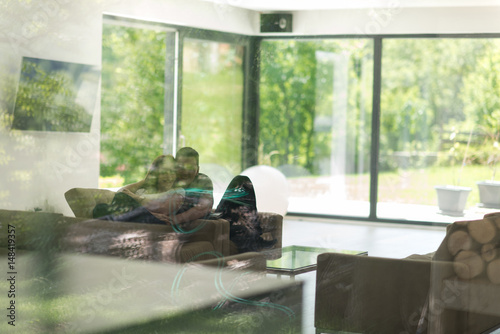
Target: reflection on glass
x=55, y=96
x=439, y=116
x=212, y=101
x=315, y=121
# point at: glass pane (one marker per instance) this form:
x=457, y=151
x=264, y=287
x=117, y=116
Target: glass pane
x=315, y=121
x=133, y=79
x=439, y=126
x=212, y=107
x=302, y=257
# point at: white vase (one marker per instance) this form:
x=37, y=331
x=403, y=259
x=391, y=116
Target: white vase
x=489, y=194
x=452, y=199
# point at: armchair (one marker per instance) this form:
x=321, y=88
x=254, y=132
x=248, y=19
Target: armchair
x=453, y=290
x=366, y=294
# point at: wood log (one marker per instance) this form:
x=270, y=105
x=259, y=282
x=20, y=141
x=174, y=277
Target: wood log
x=493, y=271
x=468, y=264
x=461, y=223
x=494, y=219
x=489, y=252
x=458, y=241
x=492, y=214
x=483, y=231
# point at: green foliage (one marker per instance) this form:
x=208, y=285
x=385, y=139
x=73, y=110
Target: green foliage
x=481, y=95
x=432, y=88
x=418, y=185
x=288, y=91
x=301, y=103
x=421, y=81
x=132, y=103
x=315, y=102
x=212, y=100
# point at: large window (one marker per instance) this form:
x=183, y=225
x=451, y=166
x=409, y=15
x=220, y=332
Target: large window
x=438, y=126
x=132, y=100
x=315, y=121
x=212, y=107
x=212, y=101
x=439, y=116
x=368, y=128
x=163, y=89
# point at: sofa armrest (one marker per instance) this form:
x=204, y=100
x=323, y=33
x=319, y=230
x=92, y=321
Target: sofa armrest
x=83, y=200
x=271, y=222
x=33, y=230
x=272, y=228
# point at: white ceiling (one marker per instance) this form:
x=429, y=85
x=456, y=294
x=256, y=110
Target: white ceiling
x=297, y=5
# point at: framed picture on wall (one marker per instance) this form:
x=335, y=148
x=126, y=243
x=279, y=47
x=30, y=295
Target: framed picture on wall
x=55, y=96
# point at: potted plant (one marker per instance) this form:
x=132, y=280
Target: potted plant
x=489, y=190
x=452, y=199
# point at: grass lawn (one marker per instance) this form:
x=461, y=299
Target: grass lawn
x=416, y=186
x=410, y=186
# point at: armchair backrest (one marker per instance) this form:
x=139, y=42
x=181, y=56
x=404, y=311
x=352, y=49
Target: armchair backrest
x=370, y=294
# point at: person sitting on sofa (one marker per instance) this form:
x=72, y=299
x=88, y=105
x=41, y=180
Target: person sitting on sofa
x=238, y=205
x=152, y=200
x=198, y=187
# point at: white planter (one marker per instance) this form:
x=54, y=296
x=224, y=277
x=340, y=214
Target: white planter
x=452, y=199
x=489, y=194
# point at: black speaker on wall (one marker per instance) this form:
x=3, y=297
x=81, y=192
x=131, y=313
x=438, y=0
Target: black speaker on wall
x=275, y=22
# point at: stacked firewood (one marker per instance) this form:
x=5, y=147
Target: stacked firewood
x=474, y=246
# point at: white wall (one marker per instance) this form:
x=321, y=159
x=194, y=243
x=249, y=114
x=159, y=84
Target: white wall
x=38, y=167
x=398, y=20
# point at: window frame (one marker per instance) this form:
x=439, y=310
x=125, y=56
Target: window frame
x=376, y=113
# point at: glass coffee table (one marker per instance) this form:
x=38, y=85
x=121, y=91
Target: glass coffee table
x=297, y=260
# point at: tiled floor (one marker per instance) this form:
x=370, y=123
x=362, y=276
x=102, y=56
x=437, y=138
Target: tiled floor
x=384, y=240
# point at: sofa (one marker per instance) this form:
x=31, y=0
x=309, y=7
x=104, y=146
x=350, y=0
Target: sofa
x=198, y=240
x=455, y=289
x=47, y=234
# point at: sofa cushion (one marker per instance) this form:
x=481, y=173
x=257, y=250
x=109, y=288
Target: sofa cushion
x=83, y=200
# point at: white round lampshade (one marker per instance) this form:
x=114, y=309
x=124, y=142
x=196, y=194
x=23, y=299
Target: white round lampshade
x=271, y=188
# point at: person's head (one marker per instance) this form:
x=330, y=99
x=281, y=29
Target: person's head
x=187, y=164
x=162, y=174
